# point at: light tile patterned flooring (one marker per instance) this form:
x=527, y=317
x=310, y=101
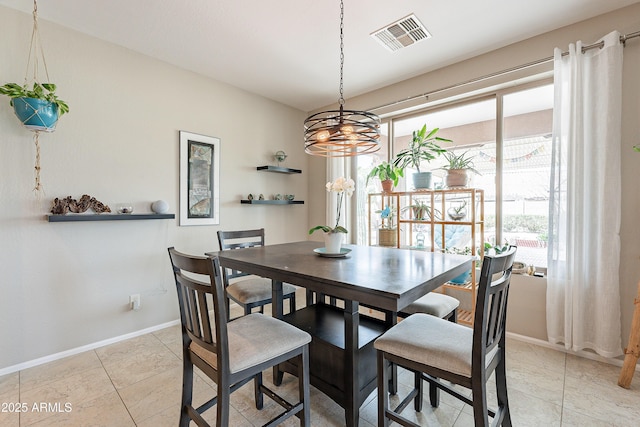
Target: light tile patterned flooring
x=137, y=383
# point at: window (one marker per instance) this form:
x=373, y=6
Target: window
x=512, y=152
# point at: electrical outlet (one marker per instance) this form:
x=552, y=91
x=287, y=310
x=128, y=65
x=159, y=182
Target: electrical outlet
x=134, y=301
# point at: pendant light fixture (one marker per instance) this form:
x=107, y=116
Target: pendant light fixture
x=341, y=133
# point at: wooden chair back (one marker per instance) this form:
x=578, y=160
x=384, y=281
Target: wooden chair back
x=198, y=281
x=491, y=306
x=239, y=239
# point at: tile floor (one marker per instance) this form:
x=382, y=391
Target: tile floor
x=137, y=383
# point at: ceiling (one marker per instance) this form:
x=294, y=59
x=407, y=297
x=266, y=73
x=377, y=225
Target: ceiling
x=288, y=50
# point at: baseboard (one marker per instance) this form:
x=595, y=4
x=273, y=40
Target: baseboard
x=82, y=349
x=559, y=347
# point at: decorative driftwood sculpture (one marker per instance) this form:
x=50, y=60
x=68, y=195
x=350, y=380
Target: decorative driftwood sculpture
x=86, y=202
x=632, y=352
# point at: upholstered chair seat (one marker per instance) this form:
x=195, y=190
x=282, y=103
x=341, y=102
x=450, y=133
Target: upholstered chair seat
x=435, y=304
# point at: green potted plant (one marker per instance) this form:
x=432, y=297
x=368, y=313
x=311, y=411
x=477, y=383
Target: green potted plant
x=458, y=167
x=387, y=233
x=388, y=175
x=422, y=148
x=37, y=108
x=421, y=210
x=458, y=211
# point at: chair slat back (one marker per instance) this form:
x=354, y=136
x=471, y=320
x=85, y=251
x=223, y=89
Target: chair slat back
x=239, y=239
x=491, y=305
x=197, y=282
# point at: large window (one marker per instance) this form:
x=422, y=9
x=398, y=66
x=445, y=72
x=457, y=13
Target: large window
x=508, y=135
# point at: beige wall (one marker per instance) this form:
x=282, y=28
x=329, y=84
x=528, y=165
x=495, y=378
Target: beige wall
x=527, y=297
x=66, y=285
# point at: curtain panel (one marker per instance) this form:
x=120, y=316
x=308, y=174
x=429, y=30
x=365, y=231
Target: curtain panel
x=583, y=298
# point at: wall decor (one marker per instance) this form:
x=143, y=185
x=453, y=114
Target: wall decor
x=86, y=202
x=199, y=179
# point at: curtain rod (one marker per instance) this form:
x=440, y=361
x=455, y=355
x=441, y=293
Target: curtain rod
x=623, y=40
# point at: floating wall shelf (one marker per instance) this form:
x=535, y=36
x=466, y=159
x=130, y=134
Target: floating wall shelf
x=107, y=217
x=278, y=169
x=272, y=202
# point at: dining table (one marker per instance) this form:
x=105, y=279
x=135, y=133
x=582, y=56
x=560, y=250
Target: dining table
x=342, y=357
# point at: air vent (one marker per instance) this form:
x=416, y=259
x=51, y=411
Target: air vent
x=402, y=33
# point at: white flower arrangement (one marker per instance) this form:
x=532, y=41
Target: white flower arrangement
x=340, y=186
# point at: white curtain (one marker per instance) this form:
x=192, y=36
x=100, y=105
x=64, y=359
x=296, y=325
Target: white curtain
x=583, y=298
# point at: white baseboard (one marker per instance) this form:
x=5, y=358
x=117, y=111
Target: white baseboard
x=77, y=350
x=558, y=347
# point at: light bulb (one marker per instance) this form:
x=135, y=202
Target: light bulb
x=347, y=129
x=322, y=135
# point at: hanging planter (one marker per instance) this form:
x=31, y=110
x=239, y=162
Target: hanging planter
x=36, y=104
x=38, y=108
x=36, y=114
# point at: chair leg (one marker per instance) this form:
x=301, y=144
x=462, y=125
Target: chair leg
x=187, y=389
x=223, y=404
x=304, y=388
x=278, y=376
x=480, y=408
x=393, y=380
x=418, y=384
x=434, y=395
x=292, y=303
x=309, y=296
x=227, y=303
x=257, y=382
x=453, y=317
x=383, y=384
x=501, y=389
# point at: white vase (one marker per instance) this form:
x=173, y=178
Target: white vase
x=332, y=242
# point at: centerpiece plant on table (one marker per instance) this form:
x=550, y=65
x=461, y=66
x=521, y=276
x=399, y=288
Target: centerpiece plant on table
x=333, y=235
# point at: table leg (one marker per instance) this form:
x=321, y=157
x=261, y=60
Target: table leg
x=277, y=313
x=390, y=319
x=352, y=380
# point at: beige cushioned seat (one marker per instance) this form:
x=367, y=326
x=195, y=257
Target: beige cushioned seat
x=248, y=291
x=433, y=303
x=254, y=339
x=432, y=341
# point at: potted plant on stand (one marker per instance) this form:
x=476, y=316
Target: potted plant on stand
x=388, y=175
x=458, y=167
x=333, y=236
x=387, y=233
x=423, y=147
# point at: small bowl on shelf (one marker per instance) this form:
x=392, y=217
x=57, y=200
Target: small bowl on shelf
x=124, y=208
x=289, y=197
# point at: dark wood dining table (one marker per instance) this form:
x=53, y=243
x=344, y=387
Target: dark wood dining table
x=343, y=363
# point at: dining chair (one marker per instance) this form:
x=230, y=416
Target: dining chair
x=436, y=350
x=434, y=304
x=231, y=353
x=253, y=291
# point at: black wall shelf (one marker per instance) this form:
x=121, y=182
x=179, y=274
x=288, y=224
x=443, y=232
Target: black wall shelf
x=272, y=202
x=107, y=217
x=278, y=169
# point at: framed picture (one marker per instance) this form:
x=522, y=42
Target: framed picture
x=199, y=179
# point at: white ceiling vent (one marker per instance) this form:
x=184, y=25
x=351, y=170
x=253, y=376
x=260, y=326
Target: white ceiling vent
x=402, y=33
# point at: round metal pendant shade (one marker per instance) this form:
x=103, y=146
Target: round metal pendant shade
x=341, y=133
